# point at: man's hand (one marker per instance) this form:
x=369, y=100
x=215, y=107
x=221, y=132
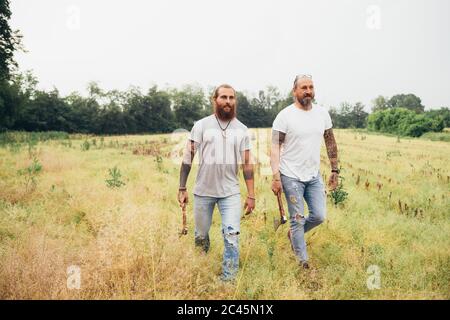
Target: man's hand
x=276, y=187
x=333, y=181
x=249, y=205
x=183, y=198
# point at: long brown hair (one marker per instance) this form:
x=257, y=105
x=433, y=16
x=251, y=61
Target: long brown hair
x=216, y=94
x=216, y=91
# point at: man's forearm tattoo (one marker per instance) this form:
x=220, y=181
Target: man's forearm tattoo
x=184, y=173
x=248, y=173
x=278, y=137
x=186, y=165
x=330, y=143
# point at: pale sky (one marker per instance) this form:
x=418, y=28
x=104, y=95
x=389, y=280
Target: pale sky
x=354, y=49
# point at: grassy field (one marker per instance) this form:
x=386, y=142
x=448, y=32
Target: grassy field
x=60, y=212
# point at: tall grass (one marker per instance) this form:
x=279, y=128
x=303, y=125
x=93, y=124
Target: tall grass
x=126, y=240
x=12, y=137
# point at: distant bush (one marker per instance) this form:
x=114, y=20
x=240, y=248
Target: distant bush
x=404, y=122
x=437, y=136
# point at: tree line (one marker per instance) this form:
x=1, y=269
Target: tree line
x=156, y=110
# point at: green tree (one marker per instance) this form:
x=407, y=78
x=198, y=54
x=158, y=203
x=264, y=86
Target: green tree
x=10, y=41
x=111, y=120
x=150, y=113
x=442, y=113
x=358, y=116
x=47, y=111
x=189, y=105
x=341, y=117
x=83, y=113
x=244, y=111
x=11, y=101
x=380, y=103
x=407, y=101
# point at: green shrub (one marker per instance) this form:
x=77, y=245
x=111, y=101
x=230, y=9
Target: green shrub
x=115, y=178
x=404, y=122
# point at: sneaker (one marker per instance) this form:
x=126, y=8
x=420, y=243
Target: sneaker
x=304, y=265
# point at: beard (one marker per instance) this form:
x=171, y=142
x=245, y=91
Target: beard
x=226, y=115
x=306, y=100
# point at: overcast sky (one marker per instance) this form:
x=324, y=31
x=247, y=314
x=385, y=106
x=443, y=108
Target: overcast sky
x=355, y=49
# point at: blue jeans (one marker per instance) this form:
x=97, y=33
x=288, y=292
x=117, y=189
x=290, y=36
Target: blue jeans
x=313, y=192
x=230, y=210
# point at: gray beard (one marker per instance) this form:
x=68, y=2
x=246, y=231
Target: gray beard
x=305, y=102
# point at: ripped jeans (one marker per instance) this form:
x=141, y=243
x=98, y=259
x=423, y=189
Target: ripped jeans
x=313, y=192
x=230, y=210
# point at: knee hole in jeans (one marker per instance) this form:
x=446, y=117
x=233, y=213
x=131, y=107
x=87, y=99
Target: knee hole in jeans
x=231, y=235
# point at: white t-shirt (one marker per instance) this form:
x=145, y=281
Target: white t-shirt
x=300, y=153
x=219, y=157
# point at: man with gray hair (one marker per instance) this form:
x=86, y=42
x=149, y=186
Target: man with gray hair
x=297, y=133
x=223, y=143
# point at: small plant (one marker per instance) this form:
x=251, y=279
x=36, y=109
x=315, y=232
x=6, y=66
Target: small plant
x=159, y=163
x=30, y=174
x=115, y=178
x=339, y=195
x=85, y=145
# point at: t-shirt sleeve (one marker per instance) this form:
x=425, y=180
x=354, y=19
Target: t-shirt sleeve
x=328, y=123
x=280, y=123
x=245, y=142
x=197, y=132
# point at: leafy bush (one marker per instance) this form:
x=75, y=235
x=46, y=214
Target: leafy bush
x=115, y=181
x=339, y=195
x=404, y=122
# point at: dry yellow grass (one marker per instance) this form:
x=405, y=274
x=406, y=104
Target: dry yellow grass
x=125, y=241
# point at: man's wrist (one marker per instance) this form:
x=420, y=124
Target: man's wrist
x=276, y=177
x=182, y=189
x=251, y=197
x=335, y=170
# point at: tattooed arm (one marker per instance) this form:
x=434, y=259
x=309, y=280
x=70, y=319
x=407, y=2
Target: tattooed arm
x=247, y=168
x=188, y=157
x=278, y=139
x=330, y=143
